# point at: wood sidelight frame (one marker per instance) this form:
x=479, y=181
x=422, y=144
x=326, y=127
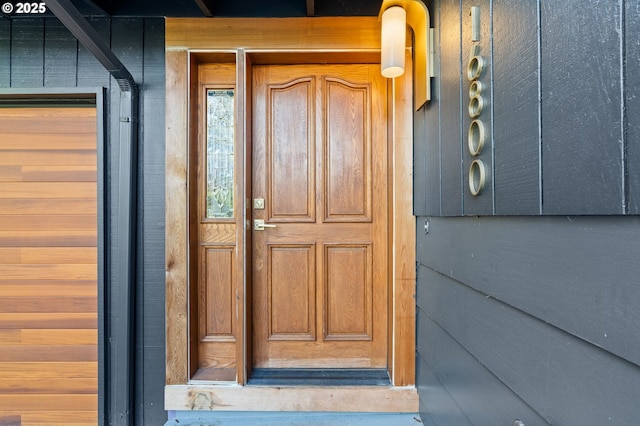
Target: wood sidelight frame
x=244, y=42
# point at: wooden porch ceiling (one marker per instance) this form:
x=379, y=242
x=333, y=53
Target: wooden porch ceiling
x=221, y=8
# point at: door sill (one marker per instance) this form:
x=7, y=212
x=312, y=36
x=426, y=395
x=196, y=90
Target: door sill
x=319, y=377
x=228, y=397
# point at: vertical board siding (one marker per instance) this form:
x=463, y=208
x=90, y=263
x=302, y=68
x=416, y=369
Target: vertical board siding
x=42, y=53
x=432, y=136
x=420, y=165
x=5, y=53
x=632, y=104
x=581, y=115
x=90, y=73
x=151, y=297
x=420, y=157
x=516, y=107
x=483, y=203
x=451, y=108
x=560, y=93
x=60, y=54
x=27, y=53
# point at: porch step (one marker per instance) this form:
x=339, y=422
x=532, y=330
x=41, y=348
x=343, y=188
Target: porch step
x=293, y=419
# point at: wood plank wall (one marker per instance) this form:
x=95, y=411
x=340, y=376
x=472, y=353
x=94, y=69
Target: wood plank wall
x=524, y=313
x=48, y=265
x=41, y=53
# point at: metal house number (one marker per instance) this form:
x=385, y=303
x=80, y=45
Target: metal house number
x=476, y=135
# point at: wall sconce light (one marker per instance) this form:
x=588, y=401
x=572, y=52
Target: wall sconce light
x=394, y=31
x=395, y=15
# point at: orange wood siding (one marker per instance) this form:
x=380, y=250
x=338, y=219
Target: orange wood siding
x=48, y=266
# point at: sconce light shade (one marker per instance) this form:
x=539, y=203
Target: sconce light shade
x=394, y=14
x=394, y=27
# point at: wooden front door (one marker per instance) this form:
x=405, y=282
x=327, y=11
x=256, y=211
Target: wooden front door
x=320, y=266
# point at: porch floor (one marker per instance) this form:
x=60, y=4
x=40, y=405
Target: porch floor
x=182, y=418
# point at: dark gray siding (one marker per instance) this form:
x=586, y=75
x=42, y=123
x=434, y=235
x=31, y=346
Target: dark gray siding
x=581, y=107
x=516, y=108
x=38, y=53
x=547, y=305
x=428, y=118
x=523, y=313
x=560, y=90
x=632, y=104
x=60, y=54
x=450, y=105
x=5, y=53
x=151, y=300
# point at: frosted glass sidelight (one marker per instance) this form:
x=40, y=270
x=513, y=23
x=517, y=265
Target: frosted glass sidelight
x=220, y=154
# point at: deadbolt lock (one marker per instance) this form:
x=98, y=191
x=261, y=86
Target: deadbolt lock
x=258, y=203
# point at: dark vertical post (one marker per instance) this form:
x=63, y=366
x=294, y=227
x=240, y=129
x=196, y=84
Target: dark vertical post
x=120, y=362
x=123, y=334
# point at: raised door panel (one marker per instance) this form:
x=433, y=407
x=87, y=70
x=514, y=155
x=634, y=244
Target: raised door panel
x=348, y=292
x=217, y=300
x=291, y=292
x=347, y=151
x=291, y=151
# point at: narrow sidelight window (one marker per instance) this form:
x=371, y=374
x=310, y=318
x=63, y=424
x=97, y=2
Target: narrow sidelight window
x=220, y=141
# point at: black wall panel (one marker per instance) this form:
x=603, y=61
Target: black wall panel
x=582, y=160
x=60, y=54
x=151, y=297
x=560, y=91
x=432, y=139
x=632, y=104
x=27, y=53
x=516, y=122
x=451, y=107
x=5, y=53
x=90, y=72
x=422, y=185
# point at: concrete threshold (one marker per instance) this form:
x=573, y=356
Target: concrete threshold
x=194, y=418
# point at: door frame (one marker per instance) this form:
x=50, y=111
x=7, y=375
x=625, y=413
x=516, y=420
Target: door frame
x=287, y=40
